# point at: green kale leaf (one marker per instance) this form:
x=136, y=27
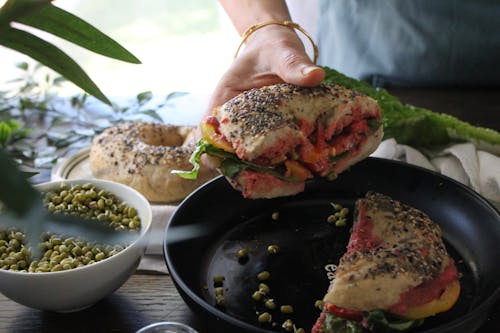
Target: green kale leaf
x=415, y=126
x=378, y=321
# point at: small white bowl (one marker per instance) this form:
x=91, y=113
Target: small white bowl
x=78, y=288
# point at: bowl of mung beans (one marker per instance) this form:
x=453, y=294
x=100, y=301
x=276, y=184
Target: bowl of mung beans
x=71, y=272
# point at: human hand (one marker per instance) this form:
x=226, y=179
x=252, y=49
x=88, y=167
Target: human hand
x=273, y=54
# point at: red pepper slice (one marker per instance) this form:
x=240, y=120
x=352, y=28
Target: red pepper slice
x=344, y=313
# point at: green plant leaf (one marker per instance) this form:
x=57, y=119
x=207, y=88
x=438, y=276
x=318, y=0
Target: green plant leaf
x=51, y=56
x=14, y=9
x=5, y=133
x=153, y=114
x=72, y=28
x=17, y=194
x=175, y=94
x=144, y=97
x=23, y=65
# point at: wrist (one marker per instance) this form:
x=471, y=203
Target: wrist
x=271, y=32
x=275, y=34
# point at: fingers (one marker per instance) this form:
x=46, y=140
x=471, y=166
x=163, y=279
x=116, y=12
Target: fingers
x=275, y=56
x=220, y=95
x=294, y=66
x=246, y=72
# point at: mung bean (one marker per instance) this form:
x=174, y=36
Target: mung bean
x=60, y=253
x=265, y=317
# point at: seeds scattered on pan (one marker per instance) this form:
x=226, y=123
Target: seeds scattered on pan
x=218, y=280
x=273, y=249
x=242, y=254
x=339, y=218
x=340, y=222
x=288, y=325
x=269, y=303
x=268, y=308
x=264, y=275
x=219, y=291
x=220, y=300
x=257, y=296
x=265, y=317
x=264, y=288
x=319, y=304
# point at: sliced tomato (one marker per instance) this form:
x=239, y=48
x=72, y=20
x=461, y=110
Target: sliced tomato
x=310, y=154
x=313, y=153
x=209, y=131
x=360, y=126
x=320, y=137
x=344, y=313
x=297, y=170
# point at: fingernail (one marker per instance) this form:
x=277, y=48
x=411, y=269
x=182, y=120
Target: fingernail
x=308, y=69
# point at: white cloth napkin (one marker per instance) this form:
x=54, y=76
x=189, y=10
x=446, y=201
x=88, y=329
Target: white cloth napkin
x=153, y=260
x=463, y=162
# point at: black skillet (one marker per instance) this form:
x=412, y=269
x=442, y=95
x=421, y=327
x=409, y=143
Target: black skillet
x=225, y=222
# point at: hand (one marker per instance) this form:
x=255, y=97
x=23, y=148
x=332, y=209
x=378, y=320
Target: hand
x=273, y=54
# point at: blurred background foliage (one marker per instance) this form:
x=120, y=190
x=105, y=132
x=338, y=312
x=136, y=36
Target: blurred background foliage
x=14, y=105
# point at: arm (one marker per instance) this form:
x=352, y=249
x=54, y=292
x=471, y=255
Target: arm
x=246, y=13
x=272, y=54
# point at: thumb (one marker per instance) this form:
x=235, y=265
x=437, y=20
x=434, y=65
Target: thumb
x=297, y=68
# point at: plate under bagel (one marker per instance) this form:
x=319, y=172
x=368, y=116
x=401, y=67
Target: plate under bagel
x=210, y=226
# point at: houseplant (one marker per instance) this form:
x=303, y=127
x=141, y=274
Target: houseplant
x=16, y=193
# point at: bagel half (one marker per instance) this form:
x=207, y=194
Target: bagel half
x=270, y=140
x=395, y=273
x=142, y=156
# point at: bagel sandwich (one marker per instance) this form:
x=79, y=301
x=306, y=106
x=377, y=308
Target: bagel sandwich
x=270, y=140
x=395, y=273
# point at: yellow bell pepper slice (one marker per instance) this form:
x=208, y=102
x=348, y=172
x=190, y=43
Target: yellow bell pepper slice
x=209, y=133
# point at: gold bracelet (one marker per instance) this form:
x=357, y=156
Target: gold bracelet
x=285, y=23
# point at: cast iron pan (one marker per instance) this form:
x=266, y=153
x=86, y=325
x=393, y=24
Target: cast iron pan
x=210, y=226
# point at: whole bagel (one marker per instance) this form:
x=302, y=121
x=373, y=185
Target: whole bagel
x=142, y=156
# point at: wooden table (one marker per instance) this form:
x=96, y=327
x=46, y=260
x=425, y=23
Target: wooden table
x=148, y=298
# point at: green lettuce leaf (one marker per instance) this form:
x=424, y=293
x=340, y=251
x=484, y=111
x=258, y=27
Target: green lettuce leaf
x=195, y=159
x=340, y=325
x=379, y=322
x=376, y=321
x=230, y=165
x=415, y=126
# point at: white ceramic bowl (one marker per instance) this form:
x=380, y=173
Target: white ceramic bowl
x=79, y=288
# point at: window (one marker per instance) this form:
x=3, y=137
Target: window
x=183, y=45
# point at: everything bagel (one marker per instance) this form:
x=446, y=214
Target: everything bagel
x=143, y=154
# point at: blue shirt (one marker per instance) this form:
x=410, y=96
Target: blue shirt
x=412, y=42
